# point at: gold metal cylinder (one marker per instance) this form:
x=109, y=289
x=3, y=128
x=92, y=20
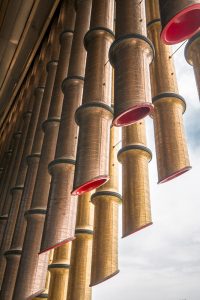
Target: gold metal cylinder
x=171, y=147
x=94, y=116
x=130, y=54
x=180, y=20
x=31, y=272
x=134, y=156
x=80, y=264
x=105, y=240
x=59, y=269
x=60, y=221
x=192, y=55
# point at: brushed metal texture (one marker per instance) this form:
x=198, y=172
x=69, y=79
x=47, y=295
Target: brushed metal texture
x=31, y=274
x=93, y=116
x=60, y=222
x=171, y=147
x=130, y=55
x=80, y=264
x=192, y=55
x=106, y=201
x=134, y=156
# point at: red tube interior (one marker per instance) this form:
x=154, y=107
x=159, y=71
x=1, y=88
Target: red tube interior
x=90, y=185
x=133, y=115
x=183, y=26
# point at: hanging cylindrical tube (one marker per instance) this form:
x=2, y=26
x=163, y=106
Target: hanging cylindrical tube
x=17, y=188
x=31, y=273
x=169, y=106
x=106, y=201
x=135, y=156
x=192, y=55
x=130, y=54
x=14, y=253
x=45, y=293
x=59, y=269
x=14, y=172
x=180, y=20
x=60, y=221
x=81, y=255
x=27, y=98
x=95, y=114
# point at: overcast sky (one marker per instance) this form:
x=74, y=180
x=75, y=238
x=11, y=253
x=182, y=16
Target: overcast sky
x=162, y=262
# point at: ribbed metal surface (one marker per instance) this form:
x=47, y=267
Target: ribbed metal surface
x=60, y=222
x=32, y=272
x=192, y=55
x=134, y=156
x=106, y=201
x=171, y=148
x=130, y=55
x=93, y=116
x=80, y=264
x=45, y=293
x=13, y=259
x=93, y=148
x=180, y=19
x=59, y=269
x=8, y=199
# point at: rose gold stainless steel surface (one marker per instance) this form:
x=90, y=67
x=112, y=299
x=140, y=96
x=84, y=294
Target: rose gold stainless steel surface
x=105, y=240
x=130, y=55
x=93, y=150
x=59, y=225
x=192, y=55
x=80, y=264
x=13, y=175
x=45, y=293
x=94, y=116
x=33, y=270
x=171, y=146
x=10, y=171
x=180, y=20
x=14, y=253
x=134, y=156
x=59, y=270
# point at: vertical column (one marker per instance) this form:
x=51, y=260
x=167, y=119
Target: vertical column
x=18, y=181
x=61, y=213
x=32, y=270
x=45, y=293
x=81, y=256
x=25, y=179
x=5, y=188
x=130, y=54
x=180, y=20
x=171, y=147
x=14, y=168
x=59, y=270
x=106, y=201
x=192, y=55
x=134, y=156
x=95, y=114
